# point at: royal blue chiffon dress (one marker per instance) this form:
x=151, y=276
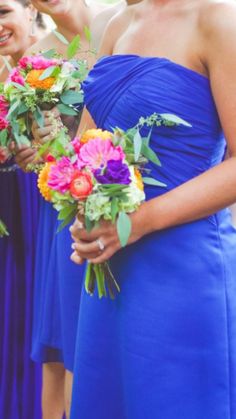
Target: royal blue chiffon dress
x=58, y=284
x=20, y=379
x=166, y=347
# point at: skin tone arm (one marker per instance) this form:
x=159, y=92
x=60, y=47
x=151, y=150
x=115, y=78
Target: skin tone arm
x=204, y=195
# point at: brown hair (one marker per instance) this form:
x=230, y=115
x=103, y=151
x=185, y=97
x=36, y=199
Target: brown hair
x=39, y=18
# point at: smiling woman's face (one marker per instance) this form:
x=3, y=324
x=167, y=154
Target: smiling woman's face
x=52, y=7
x=15, y=27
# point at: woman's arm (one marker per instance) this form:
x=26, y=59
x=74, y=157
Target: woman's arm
x=214, y=189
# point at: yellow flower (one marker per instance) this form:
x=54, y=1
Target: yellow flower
x=43, y=182
x=33, y=80
x=91, y=134
x=139, y=180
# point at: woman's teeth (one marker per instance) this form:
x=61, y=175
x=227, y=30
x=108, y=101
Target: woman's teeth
x=4, y=38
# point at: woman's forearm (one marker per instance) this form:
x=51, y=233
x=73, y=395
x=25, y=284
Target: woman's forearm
x=195, y=199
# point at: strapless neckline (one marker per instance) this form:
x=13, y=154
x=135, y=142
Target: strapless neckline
x=158, y=59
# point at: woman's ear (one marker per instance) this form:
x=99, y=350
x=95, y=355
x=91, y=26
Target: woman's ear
x=33, y=17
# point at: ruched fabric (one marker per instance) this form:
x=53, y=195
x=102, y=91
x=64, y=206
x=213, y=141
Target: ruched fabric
x=166, y=347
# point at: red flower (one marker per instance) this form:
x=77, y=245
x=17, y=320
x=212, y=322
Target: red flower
x=3, y=123
x=81, y=185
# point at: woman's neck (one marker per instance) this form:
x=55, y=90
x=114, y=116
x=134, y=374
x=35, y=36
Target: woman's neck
x=39, y=33
x=74, y=21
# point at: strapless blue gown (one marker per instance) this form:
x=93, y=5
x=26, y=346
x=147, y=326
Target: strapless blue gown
x=57, y=293
x=166, y=347
x=20, y=379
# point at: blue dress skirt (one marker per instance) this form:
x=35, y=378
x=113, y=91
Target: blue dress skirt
x=20, y=379
x=166, y=347
x=57, y=293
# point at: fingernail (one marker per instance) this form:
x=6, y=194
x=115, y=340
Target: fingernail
x=73, y=246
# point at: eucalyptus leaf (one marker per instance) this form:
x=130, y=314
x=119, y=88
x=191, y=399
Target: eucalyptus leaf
x=124, y=227
x=3, y=137
x=70, y=210
x=49, y=54
x=88, y=224
x=114, y=208
x=175, y=119
x=137, y=145
x=150, y=155
x=153, y=182
x=72, y=97
x=87, y=33
x=61, y=37
x=39, y=117
x=66, y=110
x=50, y=71
x=73, y=47
x=7, y=64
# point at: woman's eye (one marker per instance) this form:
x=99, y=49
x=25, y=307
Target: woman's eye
x=4, y=11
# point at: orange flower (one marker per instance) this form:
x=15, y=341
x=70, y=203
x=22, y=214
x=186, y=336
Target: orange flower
x=43, y=182
x=139, y=180
x=81, y=185
x=33, y=80
x=91, y=134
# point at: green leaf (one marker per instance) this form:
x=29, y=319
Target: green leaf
x=72, y=97
x=60, y=37
x=175, y=119
x=137, y=145
x=150, y=155
x=114, y=209
x=7, y=64
x=66, y=110
x=87, y=33
x=67, y=211
x=67, y=221
x=4, y=137
x=22, y=109
x=124, y=227
x=153, y=182
x=13, y=108
x=39, y=117
x=18, y=86
x=49, y=72
x=73, y=47
x=49, y=54
x=88, y=224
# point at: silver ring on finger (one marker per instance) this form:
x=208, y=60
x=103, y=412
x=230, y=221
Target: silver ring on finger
x=100, y=244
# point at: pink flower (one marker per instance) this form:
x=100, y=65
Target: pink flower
x=4, y=154
x=37, y=62
x=16, y=77
x=97, y=153
x=3, y=123
x=76, y=145
x=61, y=175
x=3, y=106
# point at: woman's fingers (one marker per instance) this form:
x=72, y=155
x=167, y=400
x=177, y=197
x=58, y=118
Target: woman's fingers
x=88, y=250
x=76, y=258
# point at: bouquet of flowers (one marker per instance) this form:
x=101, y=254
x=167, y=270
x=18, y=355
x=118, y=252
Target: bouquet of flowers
x=102, y=177
x=41, y=82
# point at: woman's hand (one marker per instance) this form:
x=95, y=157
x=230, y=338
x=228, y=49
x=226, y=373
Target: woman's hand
x=52, y=125
x=25, y=156
x=103, y=242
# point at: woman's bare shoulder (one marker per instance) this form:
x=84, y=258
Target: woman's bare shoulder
x=217, y=16
x=115, y=28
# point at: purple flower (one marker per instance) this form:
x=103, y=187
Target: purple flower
x=114, y=172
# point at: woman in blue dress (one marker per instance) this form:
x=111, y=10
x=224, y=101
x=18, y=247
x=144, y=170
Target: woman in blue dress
x=166, y=347
x=20, y=379
x=58, y=281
